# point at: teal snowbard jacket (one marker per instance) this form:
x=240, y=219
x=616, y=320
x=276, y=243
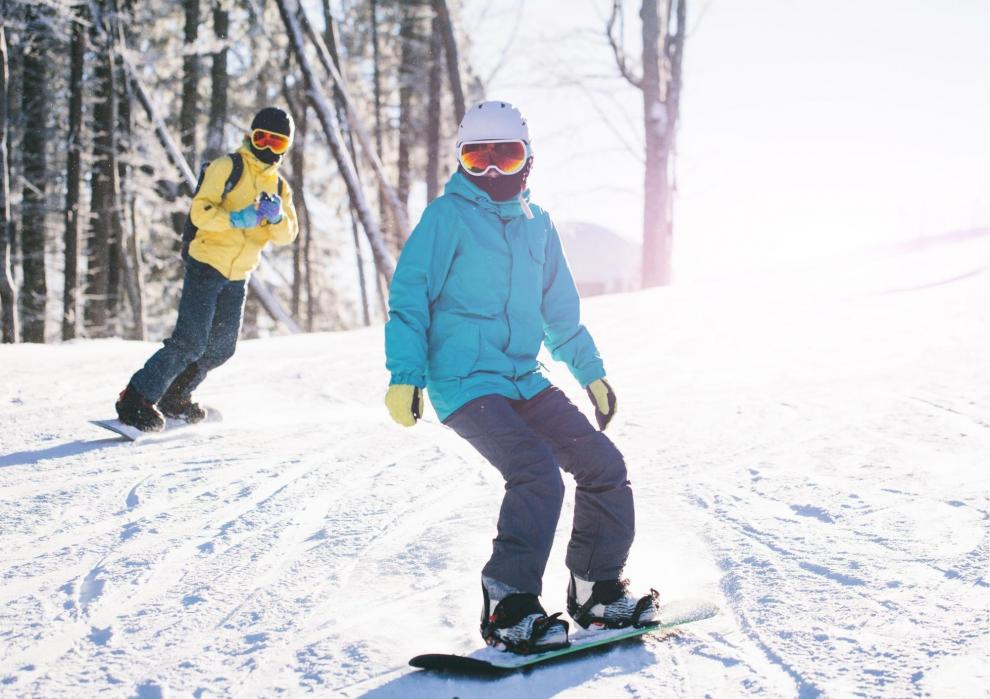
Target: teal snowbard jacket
x=477, y=289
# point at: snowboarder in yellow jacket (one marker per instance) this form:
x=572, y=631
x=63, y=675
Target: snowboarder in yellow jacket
x=240, y=206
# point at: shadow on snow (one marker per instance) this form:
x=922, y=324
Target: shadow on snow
x=59, y=451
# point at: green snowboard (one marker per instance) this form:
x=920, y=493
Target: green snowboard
x=488, y=660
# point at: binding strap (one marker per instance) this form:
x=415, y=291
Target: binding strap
x=646, y=601
x=609, y=595
x=512, y=610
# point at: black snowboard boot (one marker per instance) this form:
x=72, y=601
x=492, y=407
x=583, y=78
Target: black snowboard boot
x=135, y=410
x=177, y=402
x=517, y=622
x=608, y=604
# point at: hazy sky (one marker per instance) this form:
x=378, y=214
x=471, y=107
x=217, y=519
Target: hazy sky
x=806, y=125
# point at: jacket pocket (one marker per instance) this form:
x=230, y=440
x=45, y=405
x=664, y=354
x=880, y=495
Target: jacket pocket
x=455, y=356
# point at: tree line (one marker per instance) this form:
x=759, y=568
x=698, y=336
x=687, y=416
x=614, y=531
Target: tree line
x=107, y=113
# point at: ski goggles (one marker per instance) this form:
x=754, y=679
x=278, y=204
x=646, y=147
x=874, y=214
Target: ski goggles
x=506, y=157
x=277, y=143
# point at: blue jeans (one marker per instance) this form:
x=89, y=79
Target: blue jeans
x=529, y=442
x=210, y=313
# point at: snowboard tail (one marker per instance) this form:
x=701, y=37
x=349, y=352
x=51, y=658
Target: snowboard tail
x=133, y=434
x=489, y=660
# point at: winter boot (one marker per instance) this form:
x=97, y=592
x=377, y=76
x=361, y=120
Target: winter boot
x=515, y=621
x=177, y=402
x=608, y=604
x=135, y=410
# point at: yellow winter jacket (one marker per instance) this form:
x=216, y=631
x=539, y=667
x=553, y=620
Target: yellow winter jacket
x=235, y=252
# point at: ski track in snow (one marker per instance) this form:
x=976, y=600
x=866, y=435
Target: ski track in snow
x=807, y=449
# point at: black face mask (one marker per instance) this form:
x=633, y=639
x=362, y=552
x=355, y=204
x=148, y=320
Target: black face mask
x=503, y=187
x=265, y=155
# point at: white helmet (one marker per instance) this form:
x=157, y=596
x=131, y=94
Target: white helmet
x=492, y=121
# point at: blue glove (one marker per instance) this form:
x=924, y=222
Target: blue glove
x=270, y=207
x=248, y=217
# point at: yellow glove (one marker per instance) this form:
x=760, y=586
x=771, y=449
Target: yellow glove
x=404, y=403
x=603, y=398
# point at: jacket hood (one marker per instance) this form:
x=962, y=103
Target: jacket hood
x=461, y=186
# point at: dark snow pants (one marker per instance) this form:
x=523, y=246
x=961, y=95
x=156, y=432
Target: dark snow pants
x=210, y=312
x=529, y=441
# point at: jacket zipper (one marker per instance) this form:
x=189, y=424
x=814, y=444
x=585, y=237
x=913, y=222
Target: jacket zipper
x=508, y=320
x=254, y=187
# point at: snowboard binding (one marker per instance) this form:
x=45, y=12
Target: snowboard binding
x=519, y=624
x=609, y=605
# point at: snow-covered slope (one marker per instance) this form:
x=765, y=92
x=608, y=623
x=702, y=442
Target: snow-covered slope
x=808, y=449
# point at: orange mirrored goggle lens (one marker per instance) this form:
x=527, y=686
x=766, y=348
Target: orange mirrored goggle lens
x=508, y=157
x=275, y=142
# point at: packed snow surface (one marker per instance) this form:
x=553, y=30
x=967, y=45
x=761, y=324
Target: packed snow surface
x=808, y=450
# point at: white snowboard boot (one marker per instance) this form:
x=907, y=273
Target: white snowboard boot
x=515, y=621
x=608, y=604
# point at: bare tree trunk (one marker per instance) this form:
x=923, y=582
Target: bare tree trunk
x=297, y=158
x=113, y=210
x=663, y=48
x=310, y=297
x=190, y=83
x=407, y=35
x=73, y=175
x=34, y=291
x=15, y=136
x=328, y=120
x=340, y=102
x=8, y=295
x=101, y=274
x=656, y=229
x=674, y=53
x=382, y=285
x=218, y=78
x=130, y=250
x=376, y=82
x=450, y=46
x=249, y=324
x=433, y=111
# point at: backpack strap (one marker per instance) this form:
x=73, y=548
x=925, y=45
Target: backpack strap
x=236, y=170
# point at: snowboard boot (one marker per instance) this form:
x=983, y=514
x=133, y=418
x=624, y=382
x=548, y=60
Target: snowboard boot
x=515, y=621
x=608, y=604
x=177, y=403
x=135, y=410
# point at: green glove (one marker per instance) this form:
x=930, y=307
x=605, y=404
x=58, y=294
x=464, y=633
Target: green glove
x=603, y=398
x=404, y=403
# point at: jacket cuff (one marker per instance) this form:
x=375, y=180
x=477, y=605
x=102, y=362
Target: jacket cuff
x=586, y=374
x=409, y=378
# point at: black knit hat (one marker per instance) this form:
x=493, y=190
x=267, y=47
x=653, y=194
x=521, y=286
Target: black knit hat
x=275, y=120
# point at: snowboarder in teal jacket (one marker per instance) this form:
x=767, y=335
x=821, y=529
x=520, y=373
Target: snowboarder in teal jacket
x=480, y=285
